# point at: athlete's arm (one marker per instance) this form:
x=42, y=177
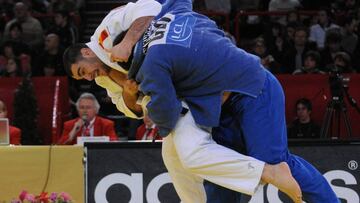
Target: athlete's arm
x=135, y=18
x=131, y=95
x=122, y=51
x=130, y=90
x=155, y=79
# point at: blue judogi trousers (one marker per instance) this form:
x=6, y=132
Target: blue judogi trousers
x=257, y=127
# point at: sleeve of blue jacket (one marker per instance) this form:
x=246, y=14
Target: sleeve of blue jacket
x=155, y=77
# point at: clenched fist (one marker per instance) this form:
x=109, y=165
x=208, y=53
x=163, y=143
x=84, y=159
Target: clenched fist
x=131, y=87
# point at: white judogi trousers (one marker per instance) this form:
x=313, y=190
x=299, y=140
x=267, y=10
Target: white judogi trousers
x=191, y=155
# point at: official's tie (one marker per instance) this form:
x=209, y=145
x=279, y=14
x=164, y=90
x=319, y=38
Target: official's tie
x=86, y=131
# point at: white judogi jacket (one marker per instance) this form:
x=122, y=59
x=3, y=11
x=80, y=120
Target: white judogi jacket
x=116, y=22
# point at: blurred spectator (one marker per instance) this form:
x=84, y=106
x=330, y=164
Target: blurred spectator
x=293, y=17
x=14, y=132
x=290, y=32
x=349, y=39
x=6, y=9
x=25, y=64
x=147, y=131
x=332, y=46
x=311, y=64
x=6, y=13
x=219, y=8
x=303, y=126
x=267, y=60
x=80, y=4
x=273, y=31
x=31, y=27
x=223, y=6
x=351, y=4
x=12, y=68
x=50, y=60
x=65, y=5
x=276, y=42
x=342, y=9
x=36, y=6
x=16, y=38
x=295, y=55
x=15, y=32
x=8, y=50
x=64, y=28
x=342, y=63
x=318, y=31
x=13, y=49
x=88, y=123
x=283, y=5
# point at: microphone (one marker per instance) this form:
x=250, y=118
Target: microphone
x=84, y=118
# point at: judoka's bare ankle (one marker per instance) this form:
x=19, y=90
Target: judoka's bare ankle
x=267, y=175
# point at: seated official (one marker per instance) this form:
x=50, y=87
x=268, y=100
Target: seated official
x=88, y=123
x=14, y=132
x=147, y=131
x=303, y=126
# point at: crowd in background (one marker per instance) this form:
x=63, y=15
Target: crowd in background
x=298, y=36
x=313, y=37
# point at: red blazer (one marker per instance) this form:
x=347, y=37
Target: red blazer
x=15, y=135
x=140, y=131
x=102, y=127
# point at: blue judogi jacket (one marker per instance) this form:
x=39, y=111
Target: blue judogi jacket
x=189, y=59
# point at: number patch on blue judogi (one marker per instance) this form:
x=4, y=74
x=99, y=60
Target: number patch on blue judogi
x=171, y=29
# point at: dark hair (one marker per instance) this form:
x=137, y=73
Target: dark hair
x=302, y=28
x=332, y=36
x=315, y=56
x=344, y=57
x=72, y=55
x=292, y=25
x=18, y=71
x=306, y=102
x=291, y=12
x=12, y=44
x=259, y=40
x=15, y=25
x=63, y=13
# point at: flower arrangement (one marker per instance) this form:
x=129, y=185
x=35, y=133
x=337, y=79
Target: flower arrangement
x=25, y=197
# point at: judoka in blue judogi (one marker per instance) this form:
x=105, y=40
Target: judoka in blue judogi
x=188, y=59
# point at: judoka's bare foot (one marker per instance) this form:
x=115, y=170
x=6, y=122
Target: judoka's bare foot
x=280, y=176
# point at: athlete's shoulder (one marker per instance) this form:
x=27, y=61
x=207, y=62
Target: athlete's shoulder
x=118, y=8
